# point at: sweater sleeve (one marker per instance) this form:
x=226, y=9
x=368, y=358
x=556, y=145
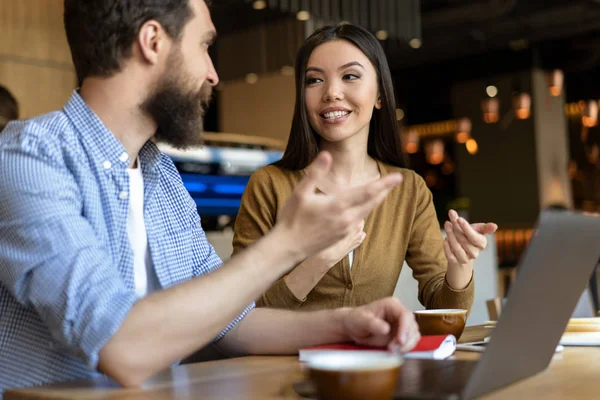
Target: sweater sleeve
x=425, y=256
x=256, y=216
x=257, y=213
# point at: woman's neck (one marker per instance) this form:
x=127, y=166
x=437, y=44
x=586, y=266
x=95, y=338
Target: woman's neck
x=352, y=165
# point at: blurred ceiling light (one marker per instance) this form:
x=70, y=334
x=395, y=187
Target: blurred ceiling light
x=431, y=178
x=490, y=108
x=303, y=16
x=287, y=70
x=447, y=166
x=463, y=132
x=491, y=91
x=251, y=78
x=434, y=152
x=381, y=35
x=472, y=146
x=415, y=43
x=411, y=141
x=259, y=4
x=522, y=105
x=593, y=154
x=555, y=82
x=589, y=113
x=573, y=169
x=399, y=114
x=462, y=137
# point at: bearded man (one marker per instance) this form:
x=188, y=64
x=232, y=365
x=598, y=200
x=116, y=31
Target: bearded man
x=104, y=266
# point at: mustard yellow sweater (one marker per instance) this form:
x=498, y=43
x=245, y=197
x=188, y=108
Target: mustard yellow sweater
x=403, y=227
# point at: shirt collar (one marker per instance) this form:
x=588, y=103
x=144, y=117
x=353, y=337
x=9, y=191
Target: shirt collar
x=105, y=148
x=150, y=156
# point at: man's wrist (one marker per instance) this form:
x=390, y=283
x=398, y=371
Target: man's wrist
x=282, y=241
x=339, y=316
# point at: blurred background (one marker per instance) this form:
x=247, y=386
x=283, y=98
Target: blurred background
x=498, y=102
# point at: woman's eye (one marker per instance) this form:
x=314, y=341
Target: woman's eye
x=312, y=80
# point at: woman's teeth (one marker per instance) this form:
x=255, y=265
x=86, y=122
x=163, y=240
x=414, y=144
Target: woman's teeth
x=335, y=114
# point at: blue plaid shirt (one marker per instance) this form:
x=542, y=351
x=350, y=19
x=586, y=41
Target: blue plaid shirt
x=66, y=266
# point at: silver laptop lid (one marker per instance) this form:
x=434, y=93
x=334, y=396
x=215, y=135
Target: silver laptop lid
x=552, y=274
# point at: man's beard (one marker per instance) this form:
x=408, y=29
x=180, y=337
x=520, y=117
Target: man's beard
x=178, y=113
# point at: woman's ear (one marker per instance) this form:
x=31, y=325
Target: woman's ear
x=378, y=102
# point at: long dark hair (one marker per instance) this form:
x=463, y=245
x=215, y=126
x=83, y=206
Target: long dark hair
x=384, y=143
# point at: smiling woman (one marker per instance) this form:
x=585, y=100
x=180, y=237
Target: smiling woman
x=336, y=94
x=343, y=69
x=345, y=105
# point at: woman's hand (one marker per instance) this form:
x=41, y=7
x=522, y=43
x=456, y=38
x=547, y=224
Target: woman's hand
x=462, y=245
x=302, y=279
x=327, y=258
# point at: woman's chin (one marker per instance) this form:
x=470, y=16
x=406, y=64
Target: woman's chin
x=337, y=135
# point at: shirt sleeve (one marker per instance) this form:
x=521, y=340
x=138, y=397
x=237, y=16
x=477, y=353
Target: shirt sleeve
x=50, y=257
x=425, y=256
x=207, y=260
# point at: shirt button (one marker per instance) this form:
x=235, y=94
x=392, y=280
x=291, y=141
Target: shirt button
x=123, y=195
x=107, y=165
x=349, y=286
x=124, y=157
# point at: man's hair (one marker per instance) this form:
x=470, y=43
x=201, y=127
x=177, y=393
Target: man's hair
x=9, y=108
x=101, y=33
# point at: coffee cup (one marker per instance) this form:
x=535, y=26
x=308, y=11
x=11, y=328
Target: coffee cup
x=354, y=375
x=441, y=322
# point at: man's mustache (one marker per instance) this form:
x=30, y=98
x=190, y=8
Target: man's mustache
x=206, y=94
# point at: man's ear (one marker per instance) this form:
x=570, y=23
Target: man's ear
x=151, y=39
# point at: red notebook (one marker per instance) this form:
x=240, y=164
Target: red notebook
x=432, y=347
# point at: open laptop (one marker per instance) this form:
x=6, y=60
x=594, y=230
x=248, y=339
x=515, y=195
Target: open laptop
x=552, y=274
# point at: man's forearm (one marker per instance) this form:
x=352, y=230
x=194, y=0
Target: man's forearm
x=171, y=324
x=271, y=331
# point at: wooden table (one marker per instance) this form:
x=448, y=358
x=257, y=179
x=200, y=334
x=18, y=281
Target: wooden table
x=572, y=374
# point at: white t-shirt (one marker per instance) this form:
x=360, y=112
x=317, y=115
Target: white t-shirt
x=351, y=257
x=145, y=278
